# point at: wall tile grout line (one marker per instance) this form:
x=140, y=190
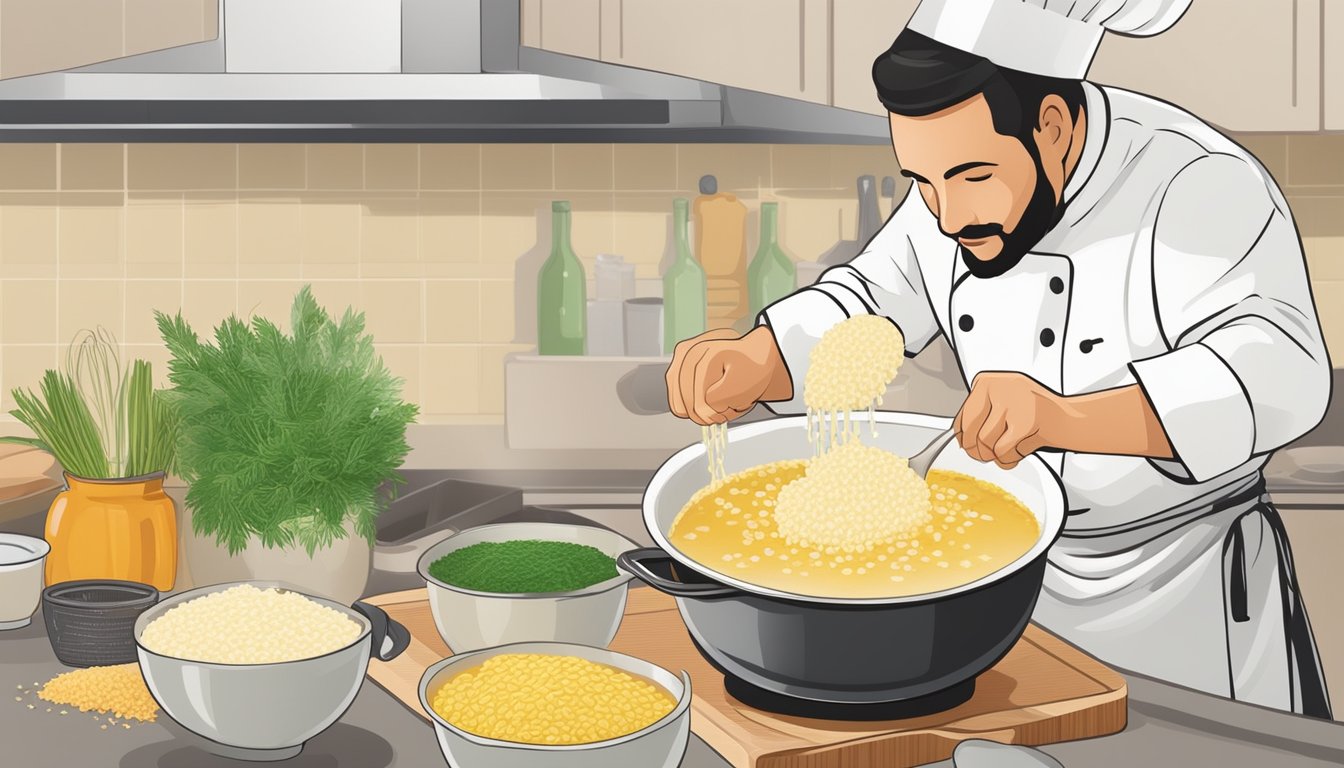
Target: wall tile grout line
x=47, y=237
x=125, y=231
x=57, y=333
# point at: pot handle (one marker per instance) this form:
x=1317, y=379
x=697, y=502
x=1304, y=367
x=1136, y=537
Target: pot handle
x=389, y=637
x=646, y=565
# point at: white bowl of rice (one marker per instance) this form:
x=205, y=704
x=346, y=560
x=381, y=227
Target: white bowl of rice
x=255, y=668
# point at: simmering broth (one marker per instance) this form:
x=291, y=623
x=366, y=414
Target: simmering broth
x=977, y=528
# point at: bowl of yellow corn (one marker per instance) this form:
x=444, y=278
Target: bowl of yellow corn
x=556, y=705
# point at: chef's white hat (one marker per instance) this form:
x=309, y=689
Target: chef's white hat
x=1057, y=38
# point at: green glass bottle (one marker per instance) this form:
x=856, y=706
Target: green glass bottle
x=772, y=275
x=562, y=293
x=684, y=300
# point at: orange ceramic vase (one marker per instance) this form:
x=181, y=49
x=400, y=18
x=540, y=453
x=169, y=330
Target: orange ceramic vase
x=113, y=529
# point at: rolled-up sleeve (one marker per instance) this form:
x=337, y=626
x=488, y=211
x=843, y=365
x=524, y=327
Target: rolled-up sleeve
x=1248, y=370
x=884, y=279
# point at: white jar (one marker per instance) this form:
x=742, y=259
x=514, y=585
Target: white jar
x=614, y=278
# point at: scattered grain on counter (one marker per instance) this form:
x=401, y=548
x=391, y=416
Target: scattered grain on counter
x=119, y=690
x=247, y=625
x=546, y=699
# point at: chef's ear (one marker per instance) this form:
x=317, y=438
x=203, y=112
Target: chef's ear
x=1054, y=125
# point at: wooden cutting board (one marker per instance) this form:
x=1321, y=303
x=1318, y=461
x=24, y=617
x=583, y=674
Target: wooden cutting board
x=25, y=471
x=1043, y=691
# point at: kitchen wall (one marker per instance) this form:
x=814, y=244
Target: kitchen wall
x=425, y=238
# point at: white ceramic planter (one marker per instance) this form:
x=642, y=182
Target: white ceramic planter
x=339, y=572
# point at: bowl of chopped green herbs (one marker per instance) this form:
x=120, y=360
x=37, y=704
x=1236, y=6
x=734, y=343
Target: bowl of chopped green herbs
x=526, y=582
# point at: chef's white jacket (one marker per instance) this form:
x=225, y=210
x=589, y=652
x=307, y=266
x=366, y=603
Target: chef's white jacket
x=1176, y=266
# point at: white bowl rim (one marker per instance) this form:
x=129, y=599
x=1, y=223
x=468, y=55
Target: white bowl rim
x=683, y=701
x=171, y=602
x=619, y=580
x=37, y=547
x=1052, y=518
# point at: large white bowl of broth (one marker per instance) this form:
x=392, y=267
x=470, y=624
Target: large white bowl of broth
x=916, y=617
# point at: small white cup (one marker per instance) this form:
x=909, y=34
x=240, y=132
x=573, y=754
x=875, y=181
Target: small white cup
x=22, y=562
x=606, y=328
x=644, y=327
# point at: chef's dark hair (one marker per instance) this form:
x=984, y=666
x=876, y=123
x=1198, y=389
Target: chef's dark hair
x=919, y=76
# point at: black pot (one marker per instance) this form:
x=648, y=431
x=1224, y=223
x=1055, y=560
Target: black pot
x=846, y=654
x=90, y=623
x=843, y=651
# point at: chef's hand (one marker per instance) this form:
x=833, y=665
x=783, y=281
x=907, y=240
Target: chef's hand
x=1006, y=417
x=717, y=376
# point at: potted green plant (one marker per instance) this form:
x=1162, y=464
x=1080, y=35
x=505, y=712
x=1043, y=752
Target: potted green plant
x=114, y=438
x=285, y=442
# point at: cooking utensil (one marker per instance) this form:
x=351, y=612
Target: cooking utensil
x=265, y=711
x=921, y=461
x=22, y=559
x=91, y=623
x=847, y=650
x=469, y=620
x=659, y=745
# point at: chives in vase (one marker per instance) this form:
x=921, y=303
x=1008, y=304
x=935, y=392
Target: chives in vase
x=684, y=306
x=562, y=293
x=772, y=275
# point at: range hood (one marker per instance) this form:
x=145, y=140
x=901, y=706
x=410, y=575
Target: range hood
x=463, y=76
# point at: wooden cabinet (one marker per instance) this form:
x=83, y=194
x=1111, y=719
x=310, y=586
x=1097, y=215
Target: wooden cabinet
x=1263, y=67
x=38, y=36
x=1332, y=24
x=861, y=30
x=776, y=47
x=1256, y=69
x=572, y=27
x=771, y=46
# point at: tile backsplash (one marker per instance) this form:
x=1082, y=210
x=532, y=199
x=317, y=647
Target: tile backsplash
x=425, y=238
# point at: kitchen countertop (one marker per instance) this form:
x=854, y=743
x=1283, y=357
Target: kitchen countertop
x=1167, y=726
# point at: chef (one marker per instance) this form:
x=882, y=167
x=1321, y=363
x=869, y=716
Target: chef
x=1125, y=291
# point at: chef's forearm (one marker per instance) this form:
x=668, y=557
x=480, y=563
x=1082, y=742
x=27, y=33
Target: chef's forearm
x=1117, y=421
x=765, y=349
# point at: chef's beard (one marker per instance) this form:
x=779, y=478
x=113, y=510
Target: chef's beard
x=1042, y=214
